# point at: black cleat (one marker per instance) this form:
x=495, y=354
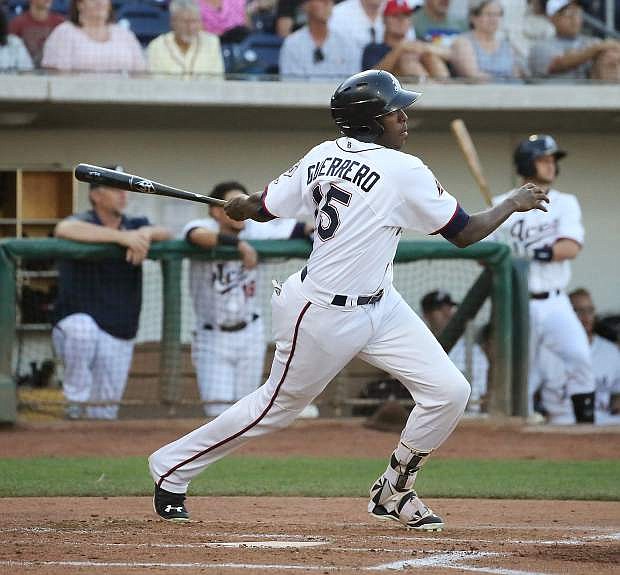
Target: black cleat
x=170, y=506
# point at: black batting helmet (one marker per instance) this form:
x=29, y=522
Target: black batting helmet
x=364, y=97
x=535, y=146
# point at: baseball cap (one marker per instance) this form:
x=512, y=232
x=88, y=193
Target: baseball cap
x=395, y=7
x=554, y=6
x=435, y=299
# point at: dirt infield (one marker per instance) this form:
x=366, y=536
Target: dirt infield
x=246, y=535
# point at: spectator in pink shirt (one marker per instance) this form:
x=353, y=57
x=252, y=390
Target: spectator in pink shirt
x=34, y=26
x=225, y=18
x=90, y=41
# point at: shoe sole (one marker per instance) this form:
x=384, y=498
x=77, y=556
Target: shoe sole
x=170, y=519
x=429, y=527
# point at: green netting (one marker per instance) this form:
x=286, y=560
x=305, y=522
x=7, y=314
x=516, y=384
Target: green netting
x=162, y=376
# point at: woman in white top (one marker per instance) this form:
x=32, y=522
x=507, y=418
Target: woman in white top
x=13, y=53
x=90, y=41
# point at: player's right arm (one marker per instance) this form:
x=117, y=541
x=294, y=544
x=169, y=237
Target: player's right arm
x=282, y=198
x=481, y=224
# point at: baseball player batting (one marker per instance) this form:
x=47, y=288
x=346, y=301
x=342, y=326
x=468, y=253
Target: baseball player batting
x=362, y=192
x=550, y=242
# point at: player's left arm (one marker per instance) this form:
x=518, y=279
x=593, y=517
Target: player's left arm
x=570, y=233
x=481, y=224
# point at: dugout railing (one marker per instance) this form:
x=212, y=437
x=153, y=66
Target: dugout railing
x=492, y=276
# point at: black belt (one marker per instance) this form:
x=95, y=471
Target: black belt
x=544, y=294
x=341, y=300
x=232, y=327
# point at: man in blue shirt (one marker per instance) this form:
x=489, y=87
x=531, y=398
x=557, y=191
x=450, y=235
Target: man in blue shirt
x=98, y=308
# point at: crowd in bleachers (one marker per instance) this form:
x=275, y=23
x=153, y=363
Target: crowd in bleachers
x=475, y=40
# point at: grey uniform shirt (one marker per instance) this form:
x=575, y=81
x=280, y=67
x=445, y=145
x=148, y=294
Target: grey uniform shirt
x=338, y=57
x=545, y=51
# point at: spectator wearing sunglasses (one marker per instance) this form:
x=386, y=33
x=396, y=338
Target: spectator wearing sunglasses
x=315, y=51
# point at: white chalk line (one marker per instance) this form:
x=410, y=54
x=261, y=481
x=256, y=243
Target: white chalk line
x=150, y=565
x=451, y=560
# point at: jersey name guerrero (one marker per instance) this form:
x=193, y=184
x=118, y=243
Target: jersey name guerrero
x=361, y=196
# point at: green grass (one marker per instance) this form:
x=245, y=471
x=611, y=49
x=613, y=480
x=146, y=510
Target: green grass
x=502, y=479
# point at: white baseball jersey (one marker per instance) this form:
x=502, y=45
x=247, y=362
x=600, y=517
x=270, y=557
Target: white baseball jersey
x=224, y=292
x=554, y=384
x=372, y=192
x=606, y=367
x=526, y=231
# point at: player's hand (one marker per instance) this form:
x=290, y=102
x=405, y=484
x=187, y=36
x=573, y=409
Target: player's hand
x=138, y=243
x=249, y=257
x=237, y=208
x=529, y=197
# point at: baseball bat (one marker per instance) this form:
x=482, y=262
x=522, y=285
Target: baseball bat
x=122, y=181
x=461, y=133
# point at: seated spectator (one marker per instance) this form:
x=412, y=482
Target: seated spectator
x=438, y=309
x=34, y=26
x=479, y=54
x=570, y=54
x=13, y=53
x=91, y=42
x=227, y=19
x=361, y=21
x=399, y=55
x=433, y=23
x=527, y=28
x=262, y=15
x=290, y=17
x=316, y=50
x=605, y=360
x=186, y=49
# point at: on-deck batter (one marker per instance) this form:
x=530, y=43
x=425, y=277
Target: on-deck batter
x=362, y=192
x=550, y=241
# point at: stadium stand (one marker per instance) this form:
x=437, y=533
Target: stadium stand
x=146, y=21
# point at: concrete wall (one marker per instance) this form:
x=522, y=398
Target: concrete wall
x=196, y=160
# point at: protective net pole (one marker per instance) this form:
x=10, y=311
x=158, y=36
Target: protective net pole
x=8, y=394
x=170, y=384
x=500, y=395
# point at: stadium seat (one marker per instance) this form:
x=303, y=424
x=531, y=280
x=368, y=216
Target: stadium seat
x=146, y=21
x=60, y=7
x=15, y=7
x=257, y=54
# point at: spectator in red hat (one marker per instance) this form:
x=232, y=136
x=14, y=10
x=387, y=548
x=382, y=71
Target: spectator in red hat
x=399, y=53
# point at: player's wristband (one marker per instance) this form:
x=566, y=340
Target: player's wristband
x=544, y=254
x=227, y=240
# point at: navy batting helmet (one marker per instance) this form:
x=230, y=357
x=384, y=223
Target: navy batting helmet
x=364, y=97
x=534, y=147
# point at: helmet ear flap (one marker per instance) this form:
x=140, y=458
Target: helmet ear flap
x=369, y=132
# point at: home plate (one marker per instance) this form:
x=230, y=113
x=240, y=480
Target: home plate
x=268, y=544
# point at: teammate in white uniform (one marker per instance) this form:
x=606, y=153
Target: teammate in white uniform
x=605, y=365
x=550, y=241
x=228, y=348
x=362, y=192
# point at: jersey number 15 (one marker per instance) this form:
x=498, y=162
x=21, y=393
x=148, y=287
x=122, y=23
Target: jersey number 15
x=326, y=216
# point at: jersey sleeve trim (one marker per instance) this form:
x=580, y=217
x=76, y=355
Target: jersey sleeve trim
x=264, y=210
x=458, y=221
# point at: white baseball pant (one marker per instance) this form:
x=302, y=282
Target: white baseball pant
x=555, y=328
x=229, y=365
x=314, y=341
x=96, y=364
